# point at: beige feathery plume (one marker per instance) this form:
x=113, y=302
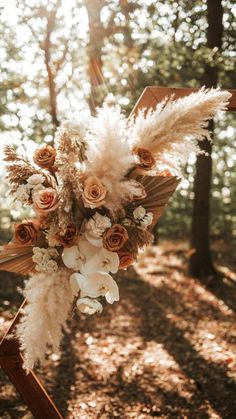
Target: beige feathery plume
x=109, y=155
x=172, y=129
x=49, y=300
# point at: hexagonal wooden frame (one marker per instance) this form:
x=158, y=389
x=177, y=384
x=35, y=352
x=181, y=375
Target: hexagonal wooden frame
x=29, y=387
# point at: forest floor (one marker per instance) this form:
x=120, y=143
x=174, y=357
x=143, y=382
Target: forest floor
x=166, y=350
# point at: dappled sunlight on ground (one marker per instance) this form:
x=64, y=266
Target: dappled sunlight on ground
x=167, y=349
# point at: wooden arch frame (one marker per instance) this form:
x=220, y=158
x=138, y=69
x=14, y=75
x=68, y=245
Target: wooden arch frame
x=31, y=390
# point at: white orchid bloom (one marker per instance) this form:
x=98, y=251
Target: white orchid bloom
x=88, y=258
x=98, y=259
x=74, y=284
x=103, y=261
x=87, y=249
x=72, y=257
x=109, y=261
x=89, y=306
x=95, y=241
x=97, y=284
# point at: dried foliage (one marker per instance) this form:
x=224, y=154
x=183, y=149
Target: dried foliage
x=138, y=239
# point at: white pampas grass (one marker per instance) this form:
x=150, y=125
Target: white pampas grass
x=109, y=155
x=172, y=129
x=49, y=300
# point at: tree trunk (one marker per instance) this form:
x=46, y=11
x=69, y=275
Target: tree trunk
x=46, y=47
x=201, y=260
x=96, y=40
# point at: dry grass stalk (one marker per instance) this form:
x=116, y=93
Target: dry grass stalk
x=138, y=238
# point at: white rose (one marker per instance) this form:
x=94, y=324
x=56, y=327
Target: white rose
x=102, y=222
x=37, y=255
x=139, y=213
x=35, y=180
x=95, y=227
x=51, y=266
x=37, y=258
x=22, y=194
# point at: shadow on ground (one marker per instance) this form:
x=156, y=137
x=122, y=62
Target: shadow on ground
x=165, y=350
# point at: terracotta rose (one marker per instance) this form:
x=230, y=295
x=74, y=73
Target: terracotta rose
x=126, y=259
x=145, y=157
x=115, y=237
x=26, y=232
x=45, y=156
x=45, y=200
x=94, y=193
x=70, y=236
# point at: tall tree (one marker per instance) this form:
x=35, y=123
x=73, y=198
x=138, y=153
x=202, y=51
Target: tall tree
x=94, y=51
x=52, y=70
x=201, y=260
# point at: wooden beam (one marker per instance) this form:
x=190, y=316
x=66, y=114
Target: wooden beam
x=159, y=93
x=154, y=94
x=27, y=385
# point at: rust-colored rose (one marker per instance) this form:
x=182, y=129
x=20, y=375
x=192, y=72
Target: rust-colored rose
x=94, y=193
x=145, y=157
x=115, y=237
x=45, y=156
x=45, y=200
x=27, y=232
x=126, y=259
x=70, y=237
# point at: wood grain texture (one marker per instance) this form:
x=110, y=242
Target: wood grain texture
x=160, y=93
x=28, y=386
x=153, y=95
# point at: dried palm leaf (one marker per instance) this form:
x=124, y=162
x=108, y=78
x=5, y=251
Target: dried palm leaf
x=159, y=190
x=17, y=258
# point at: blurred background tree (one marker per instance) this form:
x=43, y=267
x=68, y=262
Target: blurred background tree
x=62, y=58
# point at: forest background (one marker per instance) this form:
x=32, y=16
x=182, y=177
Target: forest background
x=167, y=349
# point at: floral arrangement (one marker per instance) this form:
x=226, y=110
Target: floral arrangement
x=96, y=194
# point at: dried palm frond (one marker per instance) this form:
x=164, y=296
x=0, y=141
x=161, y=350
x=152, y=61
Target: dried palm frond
x=159, y=190
x=17, y=258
